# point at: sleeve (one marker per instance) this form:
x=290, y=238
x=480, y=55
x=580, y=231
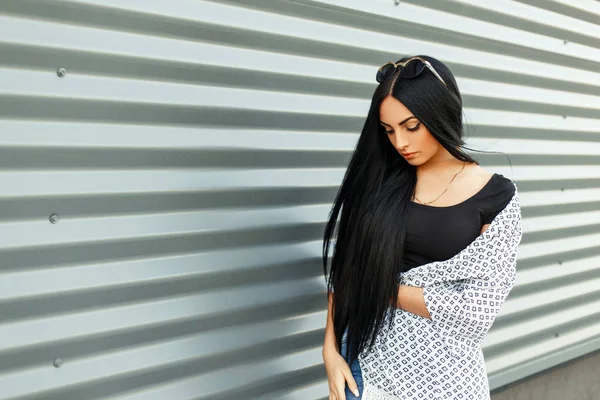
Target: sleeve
x=463, y=310
x=497, y=200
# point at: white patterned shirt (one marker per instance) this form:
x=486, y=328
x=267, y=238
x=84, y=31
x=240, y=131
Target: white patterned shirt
x=441, y=358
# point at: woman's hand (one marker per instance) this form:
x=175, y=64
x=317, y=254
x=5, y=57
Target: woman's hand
x=338, y=373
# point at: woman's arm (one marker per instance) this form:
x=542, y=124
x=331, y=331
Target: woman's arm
x=410, y=298
x=338, y=370
x=329, y=344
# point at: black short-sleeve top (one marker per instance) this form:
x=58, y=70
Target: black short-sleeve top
x=439, y=233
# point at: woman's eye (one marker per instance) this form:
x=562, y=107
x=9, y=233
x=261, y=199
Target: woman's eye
x=389, y=132
x=414, y=128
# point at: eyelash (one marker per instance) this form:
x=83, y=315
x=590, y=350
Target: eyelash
x=416, y=128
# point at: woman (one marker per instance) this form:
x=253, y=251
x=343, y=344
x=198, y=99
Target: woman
x=425, y=248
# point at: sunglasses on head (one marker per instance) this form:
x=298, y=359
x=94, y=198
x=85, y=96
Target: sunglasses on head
x=409, y=69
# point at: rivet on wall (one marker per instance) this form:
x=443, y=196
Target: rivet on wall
x=54, y=218
x=58, y=363
x=61, y=72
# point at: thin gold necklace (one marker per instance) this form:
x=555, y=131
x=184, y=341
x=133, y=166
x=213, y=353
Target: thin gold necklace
x=433, y=201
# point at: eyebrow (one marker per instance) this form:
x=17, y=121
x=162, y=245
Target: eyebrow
x=403, y=121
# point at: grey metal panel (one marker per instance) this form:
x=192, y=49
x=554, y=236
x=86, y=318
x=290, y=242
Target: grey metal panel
x=581, y=10
x=163, y=202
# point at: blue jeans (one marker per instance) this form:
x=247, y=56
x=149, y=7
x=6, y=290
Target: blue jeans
x=355, y=368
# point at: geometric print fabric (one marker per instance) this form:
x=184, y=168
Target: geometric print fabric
x=441, y=358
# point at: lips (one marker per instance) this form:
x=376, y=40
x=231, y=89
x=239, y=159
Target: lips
x=408, y=155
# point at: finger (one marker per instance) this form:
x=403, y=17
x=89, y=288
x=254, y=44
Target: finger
x=351, y=382
x=340, y=388
x=332, y=392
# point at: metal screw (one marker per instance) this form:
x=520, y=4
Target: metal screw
x=566, y=41
x=556, y=334
x=54, y=218
x=397, y=2
x=61, y=72
x=58, y=363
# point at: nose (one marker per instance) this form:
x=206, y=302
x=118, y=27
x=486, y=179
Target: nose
x=401, y=141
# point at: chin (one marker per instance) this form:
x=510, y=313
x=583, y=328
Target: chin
x=416, y=161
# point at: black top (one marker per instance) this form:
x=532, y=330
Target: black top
x=439, y=233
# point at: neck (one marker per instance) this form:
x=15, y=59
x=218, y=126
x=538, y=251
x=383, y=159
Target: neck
x=439, y=165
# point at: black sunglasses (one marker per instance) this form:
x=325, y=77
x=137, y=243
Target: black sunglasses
x=409, y=69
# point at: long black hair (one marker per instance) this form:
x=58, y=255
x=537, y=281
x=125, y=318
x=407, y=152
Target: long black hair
x=374, y=203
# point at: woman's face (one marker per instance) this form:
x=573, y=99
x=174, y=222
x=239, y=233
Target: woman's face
x=408, y=135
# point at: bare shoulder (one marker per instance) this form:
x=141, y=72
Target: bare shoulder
x=468, y=183
x=475, y=176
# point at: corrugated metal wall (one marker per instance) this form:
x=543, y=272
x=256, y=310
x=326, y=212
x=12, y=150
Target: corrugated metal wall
x=167, y=167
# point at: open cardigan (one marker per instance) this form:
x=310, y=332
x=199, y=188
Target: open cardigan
x=441, y=358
